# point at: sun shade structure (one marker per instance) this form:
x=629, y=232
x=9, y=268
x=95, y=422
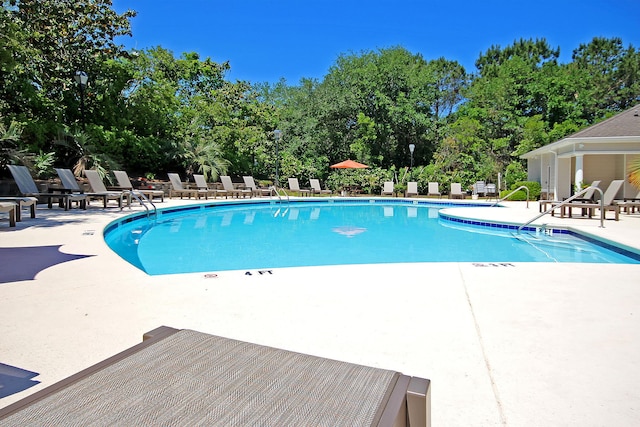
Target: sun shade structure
x=349, y=164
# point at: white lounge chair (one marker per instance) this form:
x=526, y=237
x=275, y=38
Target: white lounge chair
x=412, y=189
x=456, y=191
x=124, y=183
x=295, y=187
x=387, y=188
x=491, y=190
x=479, y=188
x=316, y=188
x=433, y=189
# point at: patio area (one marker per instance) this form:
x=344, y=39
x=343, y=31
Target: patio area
x=506, y=345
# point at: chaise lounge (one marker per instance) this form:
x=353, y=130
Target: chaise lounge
x=184, y=377
x=27, y=187
x=387, y=188
x=124, y=183
x=100, y=190
x=608, y=202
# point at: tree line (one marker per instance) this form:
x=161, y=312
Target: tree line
x=151, y=112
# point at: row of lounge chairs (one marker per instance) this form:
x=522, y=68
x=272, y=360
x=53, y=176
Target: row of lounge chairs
x=432, y=190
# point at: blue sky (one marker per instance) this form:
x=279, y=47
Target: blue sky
x=293, y=39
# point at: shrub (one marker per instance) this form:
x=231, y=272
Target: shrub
x=534, y=191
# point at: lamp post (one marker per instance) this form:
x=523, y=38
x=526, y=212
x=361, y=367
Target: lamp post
x=278, y=134
x=82, y=78
x=411, y=148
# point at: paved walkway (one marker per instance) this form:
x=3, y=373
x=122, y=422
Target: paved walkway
x=528, y=344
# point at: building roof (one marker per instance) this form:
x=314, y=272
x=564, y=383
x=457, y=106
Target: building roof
x=626, y=123
x=623, y=128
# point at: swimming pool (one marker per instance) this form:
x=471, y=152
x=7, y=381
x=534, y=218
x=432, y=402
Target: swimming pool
x=259, y=235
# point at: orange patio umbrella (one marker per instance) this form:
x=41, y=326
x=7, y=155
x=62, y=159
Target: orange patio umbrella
x=349, y=164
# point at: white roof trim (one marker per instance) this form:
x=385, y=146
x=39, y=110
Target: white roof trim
x=567, y=142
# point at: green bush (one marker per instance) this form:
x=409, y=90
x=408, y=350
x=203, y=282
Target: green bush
x=517, y=196
x=534, y=191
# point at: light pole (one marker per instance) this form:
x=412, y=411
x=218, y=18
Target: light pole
x=278, y=134
x=411, y=148
x=82, y=78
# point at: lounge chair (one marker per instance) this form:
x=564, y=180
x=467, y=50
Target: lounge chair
x=28, y=188
x=314, y=183
x=227, y=184
x=608, y=200
x=178, y=189
x=586, y=197
x=250, y=183
x=456, y=191
x=629, y=204
x=10, y=208
x=295, y=187
x=124, y=183
x=99, y=191
x=387, y=188
x=22, y=202
x=412, y=189
x=185, y=377
x=491, y=190
x=479, y=188
x=433, y=190
x=203, y=187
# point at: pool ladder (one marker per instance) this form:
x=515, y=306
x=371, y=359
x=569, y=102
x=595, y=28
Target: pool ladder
x=143, y=200
x=273, y=190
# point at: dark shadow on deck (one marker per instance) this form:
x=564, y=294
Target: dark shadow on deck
x=23, y=263
x=14, y=380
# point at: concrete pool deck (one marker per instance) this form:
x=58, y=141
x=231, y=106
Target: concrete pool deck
x=513, y=345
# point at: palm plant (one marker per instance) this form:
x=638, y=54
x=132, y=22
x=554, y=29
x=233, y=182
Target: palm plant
x=204, y=157
x=87, y=153
x=9, y=138
x=634, y=172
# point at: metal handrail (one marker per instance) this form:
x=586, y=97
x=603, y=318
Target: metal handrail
x=135, y=196
x=273, y=189
x=514, y=191
x=565, y=202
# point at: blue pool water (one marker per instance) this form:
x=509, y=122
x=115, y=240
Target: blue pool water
x=211, y=238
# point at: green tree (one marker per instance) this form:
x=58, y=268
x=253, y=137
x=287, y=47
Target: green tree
x=60, y=38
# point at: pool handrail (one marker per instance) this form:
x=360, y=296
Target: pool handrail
x=141, y=198
x=514, y=191
x=567, y=201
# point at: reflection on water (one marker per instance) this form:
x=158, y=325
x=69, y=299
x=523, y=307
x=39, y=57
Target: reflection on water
x=349, y=231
